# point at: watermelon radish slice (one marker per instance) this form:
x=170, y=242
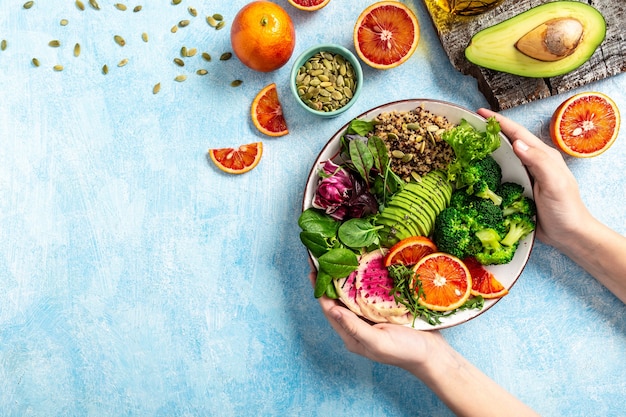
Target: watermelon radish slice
x=347, y=292
x=373, y=285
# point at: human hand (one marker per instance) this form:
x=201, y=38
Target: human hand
x=560, y=210
x=386, y=343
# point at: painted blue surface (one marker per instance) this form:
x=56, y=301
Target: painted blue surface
x=136, y=279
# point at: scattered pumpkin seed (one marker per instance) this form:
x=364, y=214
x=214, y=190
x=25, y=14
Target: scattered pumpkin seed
x=64, y=22
x=3, y=44
x=191, y=52
x=156, y=88
x=220, y=25
x=174, y=29
x=192, y=11
x=183, y=52
x=29, y=4
x=175, y=2
x=105, y=69
x=120, y=6
x=183, y=23
x=236, y=83
x=80, y=5
x=180, y=78
x=179, y=62
x=226, y=56
x=35, y=62
x=202, y=72
x=211, y=21
x=137, y=9
x=119, y=40
x=94, y=4
x=77, y=50
x=218, y=17
x=58, y=68
x=144, y=37
x=54, y=43
x=122, y=62
x=206, y=56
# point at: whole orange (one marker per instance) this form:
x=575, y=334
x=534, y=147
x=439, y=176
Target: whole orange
x=262, y=36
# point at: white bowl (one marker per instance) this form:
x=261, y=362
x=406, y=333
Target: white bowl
x=512, y=170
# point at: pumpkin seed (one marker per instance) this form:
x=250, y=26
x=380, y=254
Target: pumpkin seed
x=54, y=43
x=120, y=6
x=226, y=56
x=183, y=23
x=175, y=2
x=119, y=40
x=80, y=5
x=202, y=72
x=105, y=69
x=64, y=22
x=94, y=4
x=236, y=83
x=192, y=11
x=179, y=62
x=206, y=56
x=122, y=62
x=326, y=82
x=144, y=37
x=137, y=9
x=3, y=44
x=191, y=52
x=211, y=21
x=218, y=17
x=35, y=62
x=220, y=25
x=156, y=88
x=180, y=78
x=397, y=154
x=174, y=29
x=77, y=50
x=183, y=52
x=58, y=68
x=29, y=4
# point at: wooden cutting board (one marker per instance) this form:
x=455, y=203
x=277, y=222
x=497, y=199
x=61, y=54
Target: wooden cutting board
x=505, y=90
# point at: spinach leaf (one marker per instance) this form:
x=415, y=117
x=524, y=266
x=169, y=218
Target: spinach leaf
x=322, y=282
x=360, y=127
x=358, y=233
x=312, y=220
x=338, y=262
x=315, y=242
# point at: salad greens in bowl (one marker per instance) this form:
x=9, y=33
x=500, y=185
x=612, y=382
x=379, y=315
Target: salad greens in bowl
x=418, y=167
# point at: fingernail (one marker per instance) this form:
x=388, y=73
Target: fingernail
x=521, y=145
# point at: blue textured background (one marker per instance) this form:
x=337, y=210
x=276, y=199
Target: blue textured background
x=136, y=279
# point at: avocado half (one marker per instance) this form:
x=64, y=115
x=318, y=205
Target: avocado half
x=494, y=47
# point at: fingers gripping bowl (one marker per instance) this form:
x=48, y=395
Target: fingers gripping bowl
x=512, y=171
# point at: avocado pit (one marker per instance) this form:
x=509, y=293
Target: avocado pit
x=553, y=40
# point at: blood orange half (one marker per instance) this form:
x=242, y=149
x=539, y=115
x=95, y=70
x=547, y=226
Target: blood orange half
x=386, y=34
x=267, y=113
x=237, y=161
x=410, y=250
x=585, y=125
x=445, y=281
x=309, y=5
x=484, y=282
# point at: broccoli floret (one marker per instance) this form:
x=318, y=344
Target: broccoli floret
x=460, y=200
x=486, y=215
x=482, y=179
x=493, y=252
x=514, y=200
x=452, y=233
x=519, y=226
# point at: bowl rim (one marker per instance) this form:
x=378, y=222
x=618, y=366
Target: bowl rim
x=489, y=303
x=332, y=47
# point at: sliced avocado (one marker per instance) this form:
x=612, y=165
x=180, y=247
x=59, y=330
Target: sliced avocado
x=414, y=224
x=392, y=232
x=413, y=214
x=424, y=191
x=497, y=48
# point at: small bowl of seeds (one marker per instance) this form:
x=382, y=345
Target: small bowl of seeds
x=326, y=80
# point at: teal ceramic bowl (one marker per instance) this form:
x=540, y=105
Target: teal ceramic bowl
x=337, y=88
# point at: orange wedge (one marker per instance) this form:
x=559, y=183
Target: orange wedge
x=267, y=113
x=237, y=161
x=410, y=250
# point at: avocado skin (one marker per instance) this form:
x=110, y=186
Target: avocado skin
x=494, y=47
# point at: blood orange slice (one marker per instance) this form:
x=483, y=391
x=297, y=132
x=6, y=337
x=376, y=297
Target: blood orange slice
x=267, y=113
x=484, y=282
x=585, y=125
x=445, y=281
x=309, y=5
x=237, y=161
x=386, y=34
x=410, y=250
